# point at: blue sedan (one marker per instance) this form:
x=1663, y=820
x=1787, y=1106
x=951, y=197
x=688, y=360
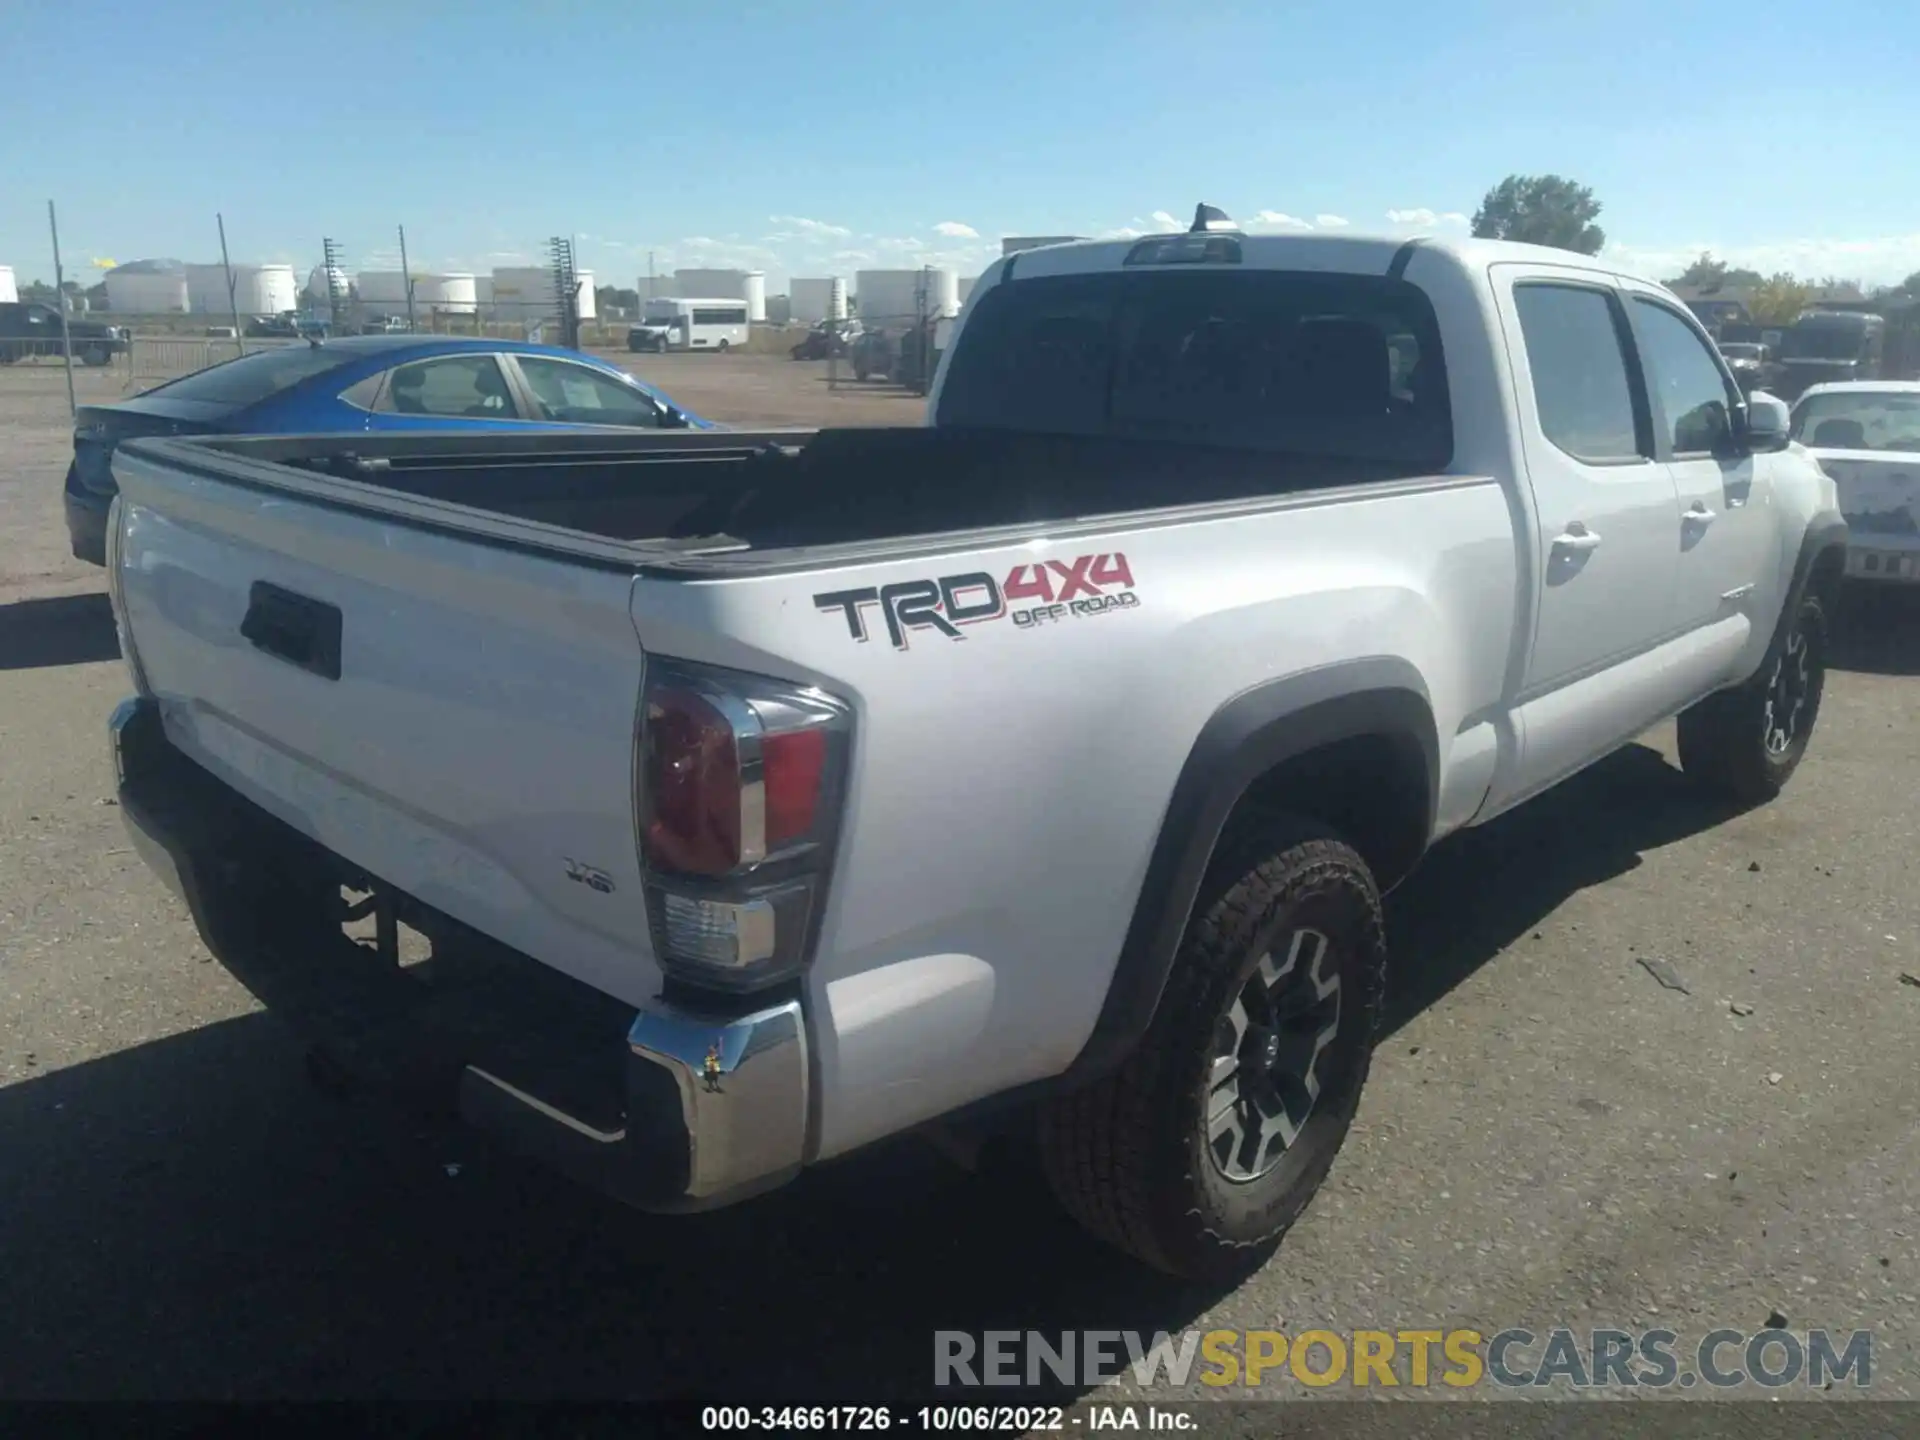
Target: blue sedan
x=358, y=384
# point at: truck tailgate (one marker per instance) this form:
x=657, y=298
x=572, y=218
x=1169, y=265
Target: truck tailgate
x=467, y=738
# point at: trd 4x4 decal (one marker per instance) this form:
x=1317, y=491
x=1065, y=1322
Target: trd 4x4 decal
x=1064, y=589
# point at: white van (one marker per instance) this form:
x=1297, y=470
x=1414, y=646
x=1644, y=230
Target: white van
x=690, y=325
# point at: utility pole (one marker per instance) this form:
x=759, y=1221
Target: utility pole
x=233, y=299
x=60, y=299
x=566, y=290
x=406, y=276
x=336, y=286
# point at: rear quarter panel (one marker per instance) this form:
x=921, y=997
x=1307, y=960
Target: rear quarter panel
x=1009, y=783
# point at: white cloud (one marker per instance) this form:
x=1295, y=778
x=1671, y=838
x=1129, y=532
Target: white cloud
x=819, y=229
x=954, y=230
x=1878, y=260
x=1329, y=222
x=1166, y=221
x=1283, y=220
x=1422, y=218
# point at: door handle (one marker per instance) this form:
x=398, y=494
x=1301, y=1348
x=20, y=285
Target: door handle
x=1698, y=515
x=1576, y=539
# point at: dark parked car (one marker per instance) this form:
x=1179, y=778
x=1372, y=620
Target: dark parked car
x=1752, y=364
x=29, y=328
x=290, y=326
x=358, y=384
x=829, y=337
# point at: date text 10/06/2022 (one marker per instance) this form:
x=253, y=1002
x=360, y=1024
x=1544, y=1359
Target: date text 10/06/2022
x=1058, y=590
x=928, y=1419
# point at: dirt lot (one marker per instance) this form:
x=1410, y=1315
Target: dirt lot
x=1550, y=1138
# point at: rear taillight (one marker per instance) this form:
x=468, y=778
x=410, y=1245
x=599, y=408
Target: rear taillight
x=740, y=781
x=117, y=594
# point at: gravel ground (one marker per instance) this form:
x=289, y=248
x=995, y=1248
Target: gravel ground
x=1550, y=1138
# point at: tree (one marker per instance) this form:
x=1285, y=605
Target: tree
x=1708, y=274
x=1541, y=210
x=613, y=297
x=1910, y=285
x=1779, y=300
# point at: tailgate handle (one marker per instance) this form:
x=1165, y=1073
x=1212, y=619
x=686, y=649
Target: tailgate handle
x=294, y=628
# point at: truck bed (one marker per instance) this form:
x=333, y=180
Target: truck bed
x=669, y=497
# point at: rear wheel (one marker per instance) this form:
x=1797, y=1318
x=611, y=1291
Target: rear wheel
x=1748, y=741
x=1199, y=1153
x=96, y=355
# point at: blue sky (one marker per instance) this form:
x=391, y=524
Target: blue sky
x=820, y=138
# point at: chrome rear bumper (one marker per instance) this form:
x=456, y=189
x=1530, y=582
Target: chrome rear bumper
x=696, y=1109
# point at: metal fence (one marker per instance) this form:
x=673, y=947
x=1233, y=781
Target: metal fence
x=152, y=359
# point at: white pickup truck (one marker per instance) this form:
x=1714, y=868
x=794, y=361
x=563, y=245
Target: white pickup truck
x=764, y=795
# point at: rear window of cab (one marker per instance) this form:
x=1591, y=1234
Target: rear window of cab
x=1342, y=366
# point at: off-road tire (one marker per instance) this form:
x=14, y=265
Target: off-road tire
x=96, y=355
x=1723, y=738
x=1127, y=1156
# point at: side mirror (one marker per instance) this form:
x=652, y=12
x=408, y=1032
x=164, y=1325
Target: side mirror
x=1768, y=421
x=672, y=418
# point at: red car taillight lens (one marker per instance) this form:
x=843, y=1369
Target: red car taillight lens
x=693, y=785
x=793, y=767
x=740, y=785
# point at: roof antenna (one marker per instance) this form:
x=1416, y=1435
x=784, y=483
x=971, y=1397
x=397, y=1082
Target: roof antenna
x=1209, y=217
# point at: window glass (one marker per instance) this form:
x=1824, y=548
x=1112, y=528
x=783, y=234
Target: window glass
x=580, y=395
x=720, y=317
x=1346, y=366
x=1682, y=373
x=250, y=379
x=1579, y=371
x=461, y=387
x=1860, y=420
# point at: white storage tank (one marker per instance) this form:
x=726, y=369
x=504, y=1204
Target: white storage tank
x=446, y=294
x=711, y=284
x=523, y=292
x=147, y=287
x=900, y=297
x=813, y=299
x=756, y=297
x=384, y=290
x=322, y=282
x=274, y=287
x=967, y=282
x=9, y=290
x=257, y=290
x=483, y=295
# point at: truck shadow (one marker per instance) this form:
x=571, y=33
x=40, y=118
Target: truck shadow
x=1877, y=630
x=1485, y=888
x=191, y=1218
x=60, y=630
